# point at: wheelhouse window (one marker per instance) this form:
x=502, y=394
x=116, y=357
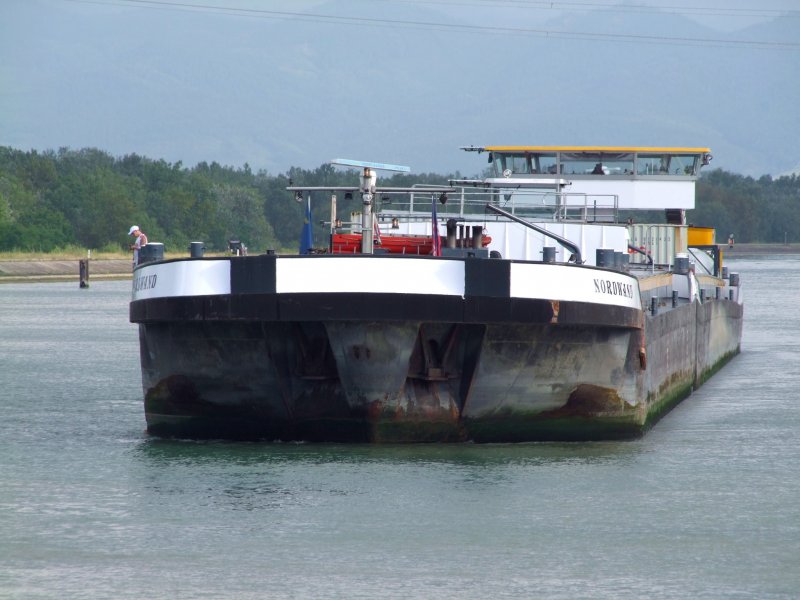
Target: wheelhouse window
x=544, y=162
x=528, y=163
x=667, y=164
x=597, y=163
x=623, y=163
x=508, y=165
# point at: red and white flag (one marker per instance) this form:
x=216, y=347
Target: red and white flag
x=437, y=241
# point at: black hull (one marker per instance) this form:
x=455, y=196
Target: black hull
x=397, y=367
x=423, y=381
x=386, y=382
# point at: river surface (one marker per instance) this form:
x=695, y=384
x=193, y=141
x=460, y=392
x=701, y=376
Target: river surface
x=706, y=505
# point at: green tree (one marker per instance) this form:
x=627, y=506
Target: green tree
x=26, y=222
x=240, y=216
x=87, y=196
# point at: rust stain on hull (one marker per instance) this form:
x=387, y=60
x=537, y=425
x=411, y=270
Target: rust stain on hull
x=555, y=305
x=588, y=400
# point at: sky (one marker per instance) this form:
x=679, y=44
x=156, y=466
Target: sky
x=166, y=95
x=722, y=15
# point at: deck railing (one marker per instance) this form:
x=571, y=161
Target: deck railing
x=466, y=203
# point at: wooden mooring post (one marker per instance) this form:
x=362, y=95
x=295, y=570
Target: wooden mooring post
x=83, y=267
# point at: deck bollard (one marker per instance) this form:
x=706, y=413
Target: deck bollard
x=452, y=226
x=150, y=252
x=604, y=257
x=477, y=236
x=681, y=264
x=653, y=305
x=196, y=249
x=674, y=298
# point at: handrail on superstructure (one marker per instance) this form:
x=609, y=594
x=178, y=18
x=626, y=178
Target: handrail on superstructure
x=557, y=205
x=563, y=241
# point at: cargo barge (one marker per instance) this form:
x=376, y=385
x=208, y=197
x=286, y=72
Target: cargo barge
x=528, y=305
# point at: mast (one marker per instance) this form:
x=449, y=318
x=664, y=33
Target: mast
x=369, y=179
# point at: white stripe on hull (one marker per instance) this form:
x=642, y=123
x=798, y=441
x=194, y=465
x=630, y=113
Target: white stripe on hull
x=389, y=275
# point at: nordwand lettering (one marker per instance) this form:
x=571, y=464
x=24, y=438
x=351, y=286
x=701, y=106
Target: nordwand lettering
x=145, y=282
x=613, y=288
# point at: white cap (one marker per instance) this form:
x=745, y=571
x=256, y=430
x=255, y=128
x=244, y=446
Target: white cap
x=133, y=228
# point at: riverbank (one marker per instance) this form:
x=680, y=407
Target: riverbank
x=756, y=249
x=24, y=270
x=42, y=269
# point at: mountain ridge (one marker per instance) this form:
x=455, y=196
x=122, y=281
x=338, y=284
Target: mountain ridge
x=275, y=93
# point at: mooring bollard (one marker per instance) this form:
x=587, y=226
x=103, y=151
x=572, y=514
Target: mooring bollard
x=196, y=249
x=604, y=257
x=83, y=268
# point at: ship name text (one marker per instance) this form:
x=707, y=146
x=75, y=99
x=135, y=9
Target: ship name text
x=145, y=282
x=613, y=288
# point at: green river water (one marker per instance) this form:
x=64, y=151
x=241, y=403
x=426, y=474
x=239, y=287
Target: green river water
x=706, y=505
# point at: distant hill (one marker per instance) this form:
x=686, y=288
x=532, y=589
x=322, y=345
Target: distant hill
x=209, y=86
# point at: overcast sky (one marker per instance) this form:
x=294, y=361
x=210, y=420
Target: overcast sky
x=723, y=15
x=151, y=77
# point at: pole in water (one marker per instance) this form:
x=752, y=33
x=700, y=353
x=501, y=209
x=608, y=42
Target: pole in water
x=83, y=267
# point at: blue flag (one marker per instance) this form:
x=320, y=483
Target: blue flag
x=307, y=235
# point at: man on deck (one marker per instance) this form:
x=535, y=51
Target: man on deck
x=141, y=240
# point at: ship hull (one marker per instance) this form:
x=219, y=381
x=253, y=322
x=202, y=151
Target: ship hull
x=485, y=362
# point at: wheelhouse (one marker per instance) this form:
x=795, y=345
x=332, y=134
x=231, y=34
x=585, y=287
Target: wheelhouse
x=590, y=161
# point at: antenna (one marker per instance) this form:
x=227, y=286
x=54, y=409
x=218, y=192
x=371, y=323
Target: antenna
x=368, y=180
x=362, y=164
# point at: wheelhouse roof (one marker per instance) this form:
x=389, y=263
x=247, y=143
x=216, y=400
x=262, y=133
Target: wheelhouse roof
x=595, y=149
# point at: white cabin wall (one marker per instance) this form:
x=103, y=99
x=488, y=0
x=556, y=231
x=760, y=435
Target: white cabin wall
x=636, y=194
x=516, y=242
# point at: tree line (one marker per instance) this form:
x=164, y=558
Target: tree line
x=88, y=198
x=763, y=210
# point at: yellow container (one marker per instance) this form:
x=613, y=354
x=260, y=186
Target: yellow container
x=701, y=236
